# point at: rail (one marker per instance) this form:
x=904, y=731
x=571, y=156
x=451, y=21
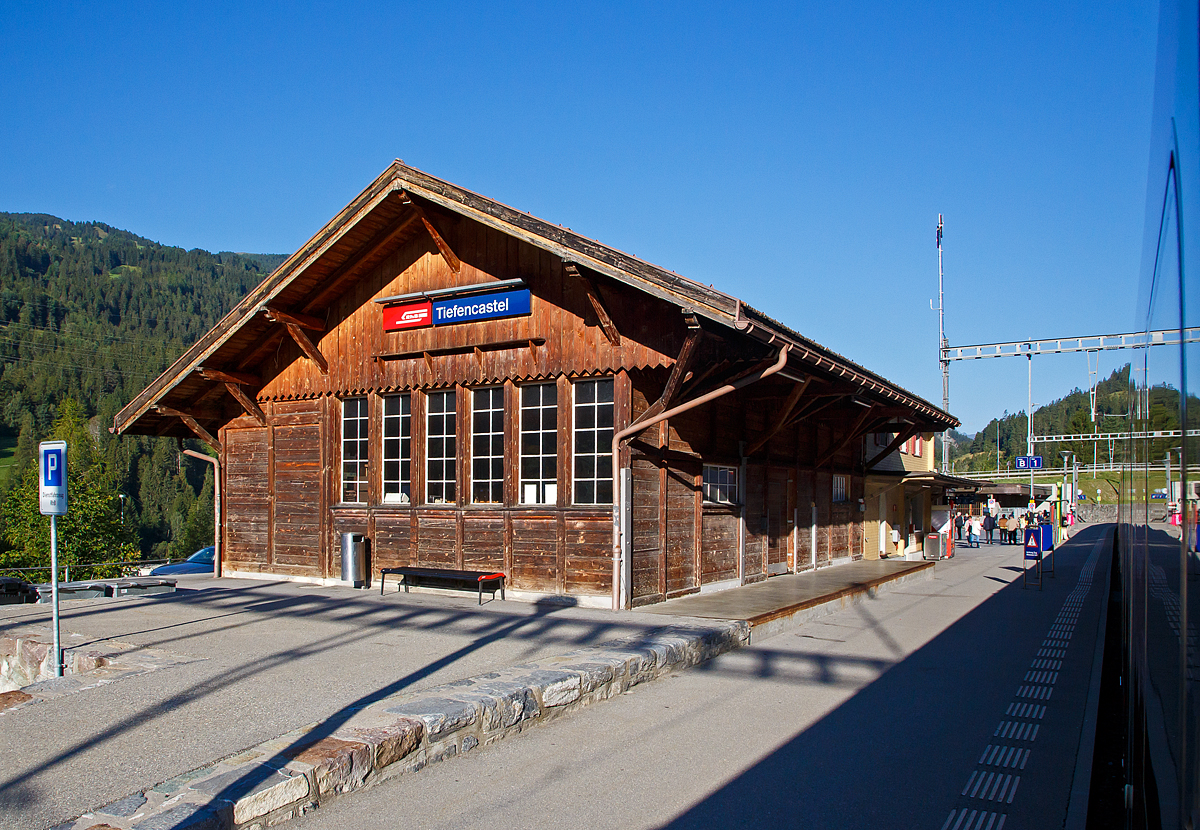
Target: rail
x=1054, y=473
x=86, y=566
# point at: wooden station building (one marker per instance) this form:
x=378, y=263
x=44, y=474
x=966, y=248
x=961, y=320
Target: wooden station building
x=449, y=376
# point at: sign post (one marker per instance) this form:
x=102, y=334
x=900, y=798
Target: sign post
x=52, y=501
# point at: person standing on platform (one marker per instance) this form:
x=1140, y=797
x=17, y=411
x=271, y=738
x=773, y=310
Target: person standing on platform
x=989, y=526
x=1004, y=530
x=976, y=527
x=958, y=524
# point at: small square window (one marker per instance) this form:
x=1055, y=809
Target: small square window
x=720, y=484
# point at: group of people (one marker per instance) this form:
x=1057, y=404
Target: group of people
x=1011, y=527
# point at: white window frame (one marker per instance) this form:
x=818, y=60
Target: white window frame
x=441, y=424
x=590, y=487
x=840, y=489
x=487, y=445
x=720, y=484
x=396, y=450
x=539, y=445
x=918, y=445
x=355, y=443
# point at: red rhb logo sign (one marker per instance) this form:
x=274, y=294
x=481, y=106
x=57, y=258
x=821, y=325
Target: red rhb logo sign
x=407, y=316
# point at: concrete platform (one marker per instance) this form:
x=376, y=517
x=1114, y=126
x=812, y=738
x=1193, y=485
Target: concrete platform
x=432, y=678
x=788, y=600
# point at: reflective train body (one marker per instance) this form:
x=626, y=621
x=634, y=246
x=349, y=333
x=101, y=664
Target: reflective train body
x=1159, y=568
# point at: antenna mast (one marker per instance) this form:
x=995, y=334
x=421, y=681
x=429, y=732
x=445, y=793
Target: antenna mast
x=943, y=347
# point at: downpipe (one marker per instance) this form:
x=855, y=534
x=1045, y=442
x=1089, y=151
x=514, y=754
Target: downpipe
x=619, y=494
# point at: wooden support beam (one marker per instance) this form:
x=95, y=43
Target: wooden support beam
x=687, y=354
x=811, y=409
x=304, y=321
x=443, y=247
x=850, y=436
x=308, y=347
x=247, y=402
x=903, y=435
x=223, y=376
x=835, y=390
x=192, y=424
x=781, y=418
x=593, y=293
x=693, y=380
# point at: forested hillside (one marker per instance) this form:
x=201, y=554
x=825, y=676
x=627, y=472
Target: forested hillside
x=1072, y=415
x=91, y=314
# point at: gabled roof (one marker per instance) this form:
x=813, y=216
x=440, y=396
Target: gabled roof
x=383, y=216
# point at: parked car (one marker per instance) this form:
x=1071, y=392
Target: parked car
x=16, y=591
x=200, y=562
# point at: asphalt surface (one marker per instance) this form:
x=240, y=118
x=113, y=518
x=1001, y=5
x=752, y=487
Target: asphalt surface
x=884, y=714
x=274, y=657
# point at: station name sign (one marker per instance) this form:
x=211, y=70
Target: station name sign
x=460, y=310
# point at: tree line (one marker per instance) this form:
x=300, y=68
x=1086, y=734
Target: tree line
x=89, y=315
x=1118, y=403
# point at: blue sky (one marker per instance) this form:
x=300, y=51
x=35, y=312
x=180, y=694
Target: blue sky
x=794, y=155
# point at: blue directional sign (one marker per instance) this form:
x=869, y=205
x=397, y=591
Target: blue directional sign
x=1158, y=495
x=52, y=478
x=1029, y=462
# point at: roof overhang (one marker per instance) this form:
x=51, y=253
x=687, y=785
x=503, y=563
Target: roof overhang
x=345, y=244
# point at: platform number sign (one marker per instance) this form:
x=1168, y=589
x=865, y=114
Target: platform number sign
x=1029, y=462
x=52, y=478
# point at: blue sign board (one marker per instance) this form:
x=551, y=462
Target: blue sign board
x=484, y=307
x=52, y=478
x=1033, y=543
x=1029, y=462
x=1083, y=497
x=1158, y=495
x=1047, y=537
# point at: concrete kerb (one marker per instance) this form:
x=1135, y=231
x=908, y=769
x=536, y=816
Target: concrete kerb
x=283, y=778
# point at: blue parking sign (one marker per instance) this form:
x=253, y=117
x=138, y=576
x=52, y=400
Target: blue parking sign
x=52, y=478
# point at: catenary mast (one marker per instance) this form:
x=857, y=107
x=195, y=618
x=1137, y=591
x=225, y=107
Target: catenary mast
x=942, y=350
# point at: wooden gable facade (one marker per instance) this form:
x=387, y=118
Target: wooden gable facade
x=487, y=444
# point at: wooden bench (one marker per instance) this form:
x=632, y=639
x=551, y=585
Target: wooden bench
x=446, y=578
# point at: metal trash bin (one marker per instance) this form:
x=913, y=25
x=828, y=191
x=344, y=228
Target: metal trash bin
x=354, y=559
x=933, y=546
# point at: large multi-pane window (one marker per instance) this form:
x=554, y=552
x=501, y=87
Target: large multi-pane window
x=397, y=449
x=440, y=449
x=354, y=450
x=720, y=484
x=487, y=445
x=539, y=444
x=593, y=441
